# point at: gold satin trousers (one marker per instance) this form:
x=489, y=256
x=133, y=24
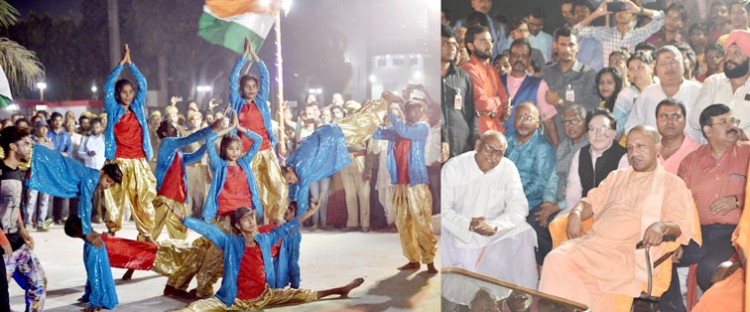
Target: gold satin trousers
x=413, y=206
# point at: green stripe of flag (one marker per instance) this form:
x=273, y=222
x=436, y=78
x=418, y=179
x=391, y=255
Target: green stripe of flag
x=227, y=34
x=4, y=101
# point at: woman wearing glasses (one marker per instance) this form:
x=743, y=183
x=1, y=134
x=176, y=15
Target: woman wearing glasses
x=593, y=162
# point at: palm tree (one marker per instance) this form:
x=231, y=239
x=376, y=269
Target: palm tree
x=21, y=66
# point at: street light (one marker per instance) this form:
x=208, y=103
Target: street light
x=203, y=88
x=41, y=86
x=315, y=91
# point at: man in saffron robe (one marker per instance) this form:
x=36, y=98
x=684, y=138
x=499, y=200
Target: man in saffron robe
x=596, y=267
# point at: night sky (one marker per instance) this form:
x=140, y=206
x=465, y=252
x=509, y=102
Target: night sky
x=55, y=8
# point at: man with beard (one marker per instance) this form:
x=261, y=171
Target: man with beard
x=20, y=260
x=672, y=84
x=490, y=97
x=524, y=87
x=91, y=152
x=715, y=173
x=61, y=139
x=731, y=87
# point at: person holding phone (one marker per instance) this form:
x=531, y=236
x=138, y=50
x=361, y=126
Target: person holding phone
x=622, y=34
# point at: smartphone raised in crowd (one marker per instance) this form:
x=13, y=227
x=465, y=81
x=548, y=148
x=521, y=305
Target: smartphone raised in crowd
x=616, y=6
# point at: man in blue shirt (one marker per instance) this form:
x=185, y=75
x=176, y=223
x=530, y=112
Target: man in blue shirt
x=61, y=141
x=411, y=194
x=533, y=155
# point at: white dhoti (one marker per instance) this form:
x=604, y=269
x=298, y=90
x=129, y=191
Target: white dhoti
x=508, y=257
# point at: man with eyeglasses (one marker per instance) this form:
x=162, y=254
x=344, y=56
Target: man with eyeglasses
x=483, y=210
x=460, y=129
x=668, y=61
x=716, y=174
x=531, y=152
x=574, y=127
x=675, y=145
x=731, y=87
x=593, y=162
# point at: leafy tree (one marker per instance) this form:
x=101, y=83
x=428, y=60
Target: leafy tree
x=21, y=66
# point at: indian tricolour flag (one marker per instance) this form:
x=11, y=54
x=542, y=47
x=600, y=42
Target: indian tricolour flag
x=5, y=97
x=228, y=22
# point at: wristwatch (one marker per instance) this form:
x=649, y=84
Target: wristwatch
x=641, y=12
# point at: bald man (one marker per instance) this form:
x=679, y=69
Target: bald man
x=594, y=268
x=483, y=214
x=532, y=154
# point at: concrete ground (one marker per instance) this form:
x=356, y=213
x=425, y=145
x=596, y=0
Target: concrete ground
x=328, y=259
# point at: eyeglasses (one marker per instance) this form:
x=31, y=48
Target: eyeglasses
x=730, y=122
x=604, y=130
x=672, y=62
x=571, y=122
x=673, y=117
x=525, y=118
x=487, y=149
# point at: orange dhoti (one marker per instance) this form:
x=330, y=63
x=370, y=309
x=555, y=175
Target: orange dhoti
x=603, y=265
x=726, y=295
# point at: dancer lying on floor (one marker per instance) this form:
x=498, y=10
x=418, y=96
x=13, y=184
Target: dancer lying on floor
x=247, y=262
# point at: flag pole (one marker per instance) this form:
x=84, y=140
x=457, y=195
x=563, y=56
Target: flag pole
x=280, y=81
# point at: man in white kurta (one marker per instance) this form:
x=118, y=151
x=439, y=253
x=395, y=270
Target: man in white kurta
x=671, y=85
x=732, y=87
x=483, y=215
